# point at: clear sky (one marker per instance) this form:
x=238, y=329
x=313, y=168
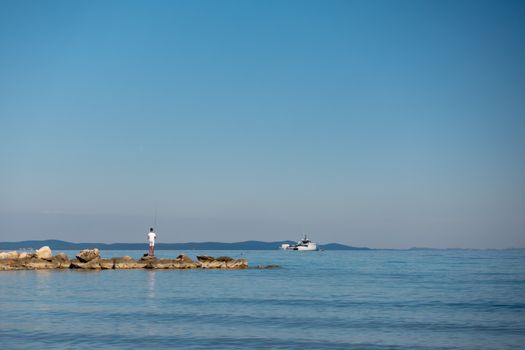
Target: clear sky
x=369, y=123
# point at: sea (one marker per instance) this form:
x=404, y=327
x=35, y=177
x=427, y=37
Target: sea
x=376, y=299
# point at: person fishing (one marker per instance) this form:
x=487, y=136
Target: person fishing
x=151, y=237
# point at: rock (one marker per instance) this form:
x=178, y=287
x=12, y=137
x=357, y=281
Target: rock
x=224, y=263
x=107, y=264
x=87, y=255
x=76, y=264
x=192, y=265
x=163, y=264
x=268, y=266
x=32, y=262
x=124, y=262
x=93, y=264
x=9, y=255
x=237, y=264
x=89, y=259
x=172, y=264
x=125, y=257
x=39, y=264
x=11, y=264
x=213, y=264
x=44, y=253
x=224, y=258
x=25, y=255
x=184, y=258
x=61, y=257
x=147, y=258
x=61, y=260
x=127, y=262
x=203, y=258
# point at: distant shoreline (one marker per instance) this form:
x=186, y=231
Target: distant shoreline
x=246, y=245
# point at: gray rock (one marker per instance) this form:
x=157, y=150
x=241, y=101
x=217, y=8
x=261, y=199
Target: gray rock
x=87, y=255
x=268, y=266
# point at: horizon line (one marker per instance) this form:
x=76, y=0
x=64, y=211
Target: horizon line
x=266, y=242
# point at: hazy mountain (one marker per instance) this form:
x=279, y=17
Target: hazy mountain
x=247, y=245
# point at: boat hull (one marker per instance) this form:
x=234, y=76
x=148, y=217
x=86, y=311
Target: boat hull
x=309, y=247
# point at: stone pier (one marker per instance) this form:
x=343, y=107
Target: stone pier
x=90, y=259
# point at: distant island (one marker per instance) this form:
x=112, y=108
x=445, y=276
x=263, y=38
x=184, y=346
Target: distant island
x=247, y=245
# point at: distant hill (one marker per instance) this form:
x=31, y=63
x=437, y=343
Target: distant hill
x=247, y=245
x=337, y=246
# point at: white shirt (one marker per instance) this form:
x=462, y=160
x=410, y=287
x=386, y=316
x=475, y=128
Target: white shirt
x=152, y=236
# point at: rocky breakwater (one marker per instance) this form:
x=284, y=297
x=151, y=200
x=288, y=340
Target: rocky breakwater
x=90, y=259
x=222, y=262
x=41, y=259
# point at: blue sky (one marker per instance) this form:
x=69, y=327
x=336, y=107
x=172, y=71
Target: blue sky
x=370, y=123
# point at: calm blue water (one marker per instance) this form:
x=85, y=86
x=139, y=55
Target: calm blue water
x=318, y=300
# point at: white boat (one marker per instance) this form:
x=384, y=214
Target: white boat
x=304, y=244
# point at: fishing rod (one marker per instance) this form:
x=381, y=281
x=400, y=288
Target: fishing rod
x=155, y=220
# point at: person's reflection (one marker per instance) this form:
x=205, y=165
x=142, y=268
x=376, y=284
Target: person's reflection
x=151, y=284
